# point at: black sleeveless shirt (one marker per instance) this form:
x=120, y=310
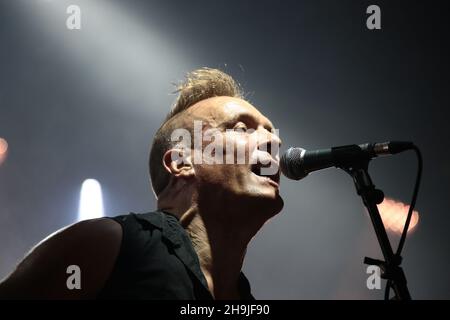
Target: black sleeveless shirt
x=157, y=261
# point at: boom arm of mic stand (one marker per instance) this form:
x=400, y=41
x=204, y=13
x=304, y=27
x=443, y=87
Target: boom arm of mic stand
x=371, y=197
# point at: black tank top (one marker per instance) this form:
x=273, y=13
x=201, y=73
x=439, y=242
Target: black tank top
x=157, y=261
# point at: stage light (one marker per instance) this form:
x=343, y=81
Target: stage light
x=3, y=150
x=394, y=213
x=135, y=56
x=91, y=200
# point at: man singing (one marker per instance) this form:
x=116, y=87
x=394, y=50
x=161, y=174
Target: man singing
x=193, y=246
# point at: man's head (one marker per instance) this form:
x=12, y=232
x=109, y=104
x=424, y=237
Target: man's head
x=236, y=145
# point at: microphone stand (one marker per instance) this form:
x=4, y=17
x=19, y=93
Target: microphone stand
x=391, y=270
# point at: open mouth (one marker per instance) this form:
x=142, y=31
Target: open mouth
x=257, y=169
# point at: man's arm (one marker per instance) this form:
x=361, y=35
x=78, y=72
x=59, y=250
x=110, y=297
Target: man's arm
x=92, y=245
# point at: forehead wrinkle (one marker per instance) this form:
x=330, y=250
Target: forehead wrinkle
x=209, y=110
x=248, y=110
x=216, y=111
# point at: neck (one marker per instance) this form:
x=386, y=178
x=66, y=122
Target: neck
x=219, y=237
x=220, y=251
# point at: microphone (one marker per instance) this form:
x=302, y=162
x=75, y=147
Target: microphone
x=297, y=163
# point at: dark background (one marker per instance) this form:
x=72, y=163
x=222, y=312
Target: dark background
x=86, y=103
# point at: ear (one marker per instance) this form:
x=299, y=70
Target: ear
x=178, y=163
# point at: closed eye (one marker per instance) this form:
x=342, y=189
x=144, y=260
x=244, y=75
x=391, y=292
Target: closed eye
x=240, y=126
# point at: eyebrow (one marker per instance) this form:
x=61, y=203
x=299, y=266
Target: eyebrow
x=246, y=117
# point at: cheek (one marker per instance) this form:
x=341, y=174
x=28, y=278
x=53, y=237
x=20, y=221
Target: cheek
x=212, y=174
x=224, y=175
x=237, y=148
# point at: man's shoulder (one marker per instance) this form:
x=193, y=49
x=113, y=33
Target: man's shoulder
x=90, y=245
x=85, y=231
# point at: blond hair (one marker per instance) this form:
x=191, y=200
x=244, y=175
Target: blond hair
x=198, y=85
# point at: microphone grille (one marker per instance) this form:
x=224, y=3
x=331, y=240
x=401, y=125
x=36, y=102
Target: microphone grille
x=291, y=163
